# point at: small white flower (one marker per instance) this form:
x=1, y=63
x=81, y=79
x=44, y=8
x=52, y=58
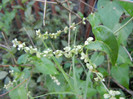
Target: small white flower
x=90, y=39
x=5, y=86
x=58, y=32
x=112, y=93
x=90, y=67
x=84, y=20
x=58, y=83
x=100, y=75
x=117, y=93
x=28, y=94
x=106, y=96
x=65, y=29
x=67, y=48
x=83, y=56
x=96, y=79
x=68, y=55
x=112, y=97
x=15, y=42
x=38, y=32
x=86, y=43
x=11, y=71
x=26, y=49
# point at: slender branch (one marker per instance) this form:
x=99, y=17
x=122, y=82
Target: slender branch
x=108, y=72
x=69, y=34
x=14, y=88
x=59, y=3
x=44, y=13
x=47, y=1
x=128, y=53
x=129, y=91
x=15, y=65
x=3, y=46
x=88, y=5
x=6, y=41
x=29, y=37
x=123, y=25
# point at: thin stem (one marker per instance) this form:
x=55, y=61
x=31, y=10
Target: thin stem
x=123, y=25
x=86, y=86
x=6, y=41
x=69, y=34
x=105, y=86
x=14, y=88
x=29, y=37
x=25, y=65
x=59, y=67
x=53, y=93
x=87, y=5
x=44, y=14
x=74, y=73
x=128, y=53
x=63, y=72
x=59, y=3
x=108, y=71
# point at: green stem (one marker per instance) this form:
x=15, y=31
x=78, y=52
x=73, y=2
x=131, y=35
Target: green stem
x=74, y=74
x=59, y=67
x=63, y=72
x=123, y=25
x=53, y=93
x=86, y=86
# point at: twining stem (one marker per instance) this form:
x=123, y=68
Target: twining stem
x=124, y=25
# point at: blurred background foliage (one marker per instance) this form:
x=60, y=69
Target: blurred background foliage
x=21, y=18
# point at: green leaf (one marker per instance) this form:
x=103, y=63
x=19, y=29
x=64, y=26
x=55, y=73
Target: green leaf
x=105, y=35
x=18, y=7
x=23, y=59
x=100, y=46
x=45, y=66
x=121, y=74
x=3, y=74
x=5, y=1
x=94, y=19
x=127, y=6
x=19, y=93
x=110, y=12
x=101, y=90
x=15, y=69
x=103, y=71
x=91, y=92
x=97, y=58
x=80, y=14
x=123, y=56
x=123, y=34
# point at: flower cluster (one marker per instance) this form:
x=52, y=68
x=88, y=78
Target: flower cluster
x=11, y=71
x=58, y=53
x=90, y=39
x=84, y=20
x=54, y=35
x=112, y=94
x=99, y=77
x=55, y=80
x=10, y=84
x=18, y=43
